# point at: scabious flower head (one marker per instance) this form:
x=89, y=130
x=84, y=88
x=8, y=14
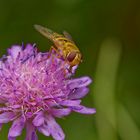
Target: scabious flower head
x=36, y=88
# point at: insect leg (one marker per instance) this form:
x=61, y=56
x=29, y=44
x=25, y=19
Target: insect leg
x=54, y=52
x=58, y=55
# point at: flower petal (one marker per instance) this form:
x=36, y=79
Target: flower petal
x=3, y=100
x=16, y=128
x=79, y=93
x=7, y=117
x=61, y=112
x=85, y=110
x=79, y=82
x=44, y=129
x=12, y=138
x=0, y=126
x=34, y=136
x=39, y=119
x=54, y=129
x=29, y=48
x=70, y=102
x=14, y=51
x=30, y=132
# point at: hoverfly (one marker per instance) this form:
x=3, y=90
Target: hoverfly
x=63, y=45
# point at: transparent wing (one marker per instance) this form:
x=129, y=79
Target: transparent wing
x=46, y=32
x=67, y=35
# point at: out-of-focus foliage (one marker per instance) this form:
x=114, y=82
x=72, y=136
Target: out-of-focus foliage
x=108, y=34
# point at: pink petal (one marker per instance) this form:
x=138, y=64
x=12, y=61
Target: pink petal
x=61, y=112
x=30, y=132
x=3, y=100
x=12, y=138
x=16, y=128
x=4, y=109
x=34, y=136
x=0, y=126
x=7, y=117
x=70, y=102
x=54, y=129
x=14, y=51
x=44, y=129
x=29, y=48
x=85, y=110
x=39, y=119
x=79, y=93
x=79, y=82
x=74, y=68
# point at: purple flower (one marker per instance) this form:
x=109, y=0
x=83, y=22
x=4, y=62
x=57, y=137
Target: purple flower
x=35, y=88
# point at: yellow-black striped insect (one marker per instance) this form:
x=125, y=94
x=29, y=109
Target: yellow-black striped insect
x=63, y=45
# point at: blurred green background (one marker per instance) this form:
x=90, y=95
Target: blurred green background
x=108, y=35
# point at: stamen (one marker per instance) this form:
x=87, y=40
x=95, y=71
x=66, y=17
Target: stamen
x=28, y=57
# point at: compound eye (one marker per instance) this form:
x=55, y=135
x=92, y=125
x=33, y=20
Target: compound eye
x=71, y=56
